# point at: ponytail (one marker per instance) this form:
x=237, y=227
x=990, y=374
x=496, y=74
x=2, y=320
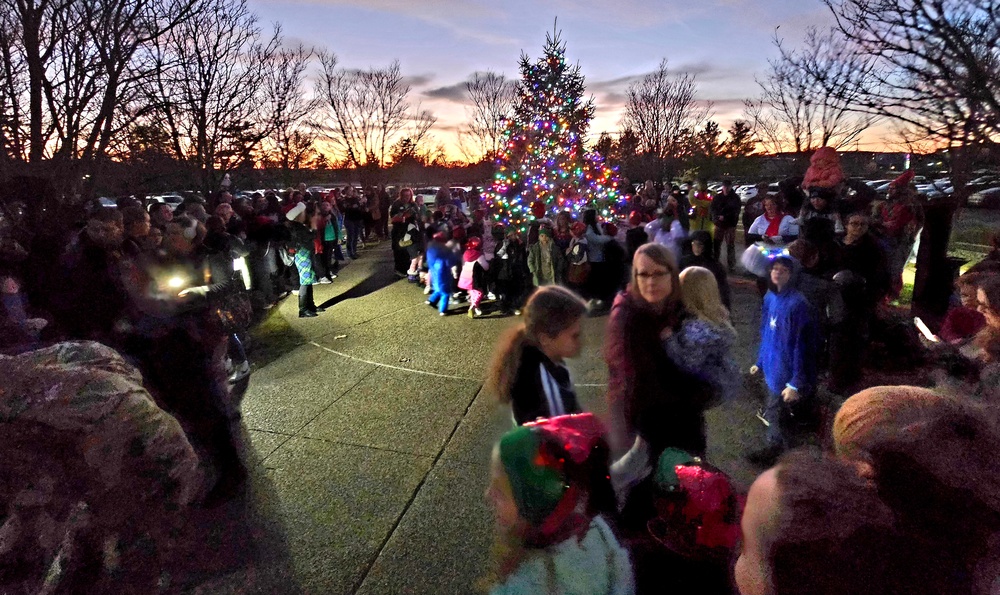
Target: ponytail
x=503, y=367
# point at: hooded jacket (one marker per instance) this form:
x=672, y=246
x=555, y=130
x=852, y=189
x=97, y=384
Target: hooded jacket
x=471, y=277
x=440, y=260
x=788, y=338
x=708, y=260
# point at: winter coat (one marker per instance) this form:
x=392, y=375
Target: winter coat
x=648, y=394
x=556, y=269
x=808, y=212
x=440, y=260
x=634, y=238
x=787, y=228
x=510, y=261
x=705, y=350
x=671, y=237
x=594, y=563
x=595, y=244
x=788, y=341
x=725, y=209
x=867, y=259
x=474, y=267
x=542, y=388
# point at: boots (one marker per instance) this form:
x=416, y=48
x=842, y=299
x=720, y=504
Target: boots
x=307, y=308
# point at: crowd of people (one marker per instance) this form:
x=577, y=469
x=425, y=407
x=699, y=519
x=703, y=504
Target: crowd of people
x=165, y=288
x=889, y=510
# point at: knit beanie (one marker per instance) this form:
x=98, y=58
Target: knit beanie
x=878, y=411
x=544, y=459
x=536, y=477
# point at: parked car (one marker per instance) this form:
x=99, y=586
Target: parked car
x=428, y=194
x=171, y=200
x=746, y=192
x=985, y=199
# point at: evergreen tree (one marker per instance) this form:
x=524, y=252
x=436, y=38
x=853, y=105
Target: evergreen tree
x=543, y=167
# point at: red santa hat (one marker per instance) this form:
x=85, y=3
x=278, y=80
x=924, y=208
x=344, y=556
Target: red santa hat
x=903, y=180
x=635, y=218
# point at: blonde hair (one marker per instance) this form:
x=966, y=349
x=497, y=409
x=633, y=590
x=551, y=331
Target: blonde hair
x=549, y=311
x=700, y=295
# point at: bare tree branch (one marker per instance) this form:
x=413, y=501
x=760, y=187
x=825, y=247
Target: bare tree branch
x=662, y=111
x=815, y=92
x=492, y=97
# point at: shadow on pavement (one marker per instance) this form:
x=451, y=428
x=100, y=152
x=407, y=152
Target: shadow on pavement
x=377, y=280
x=272, y=339
x=239, y=547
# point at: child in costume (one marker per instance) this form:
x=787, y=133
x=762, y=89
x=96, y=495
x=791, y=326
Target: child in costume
x=473, y=275
x=440, y=260
x=548, y=486
x=527, y=370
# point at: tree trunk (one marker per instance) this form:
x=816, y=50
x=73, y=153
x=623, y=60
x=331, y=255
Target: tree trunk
x=36, y=72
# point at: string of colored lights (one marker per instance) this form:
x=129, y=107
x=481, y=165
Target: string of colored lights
x=543, y=167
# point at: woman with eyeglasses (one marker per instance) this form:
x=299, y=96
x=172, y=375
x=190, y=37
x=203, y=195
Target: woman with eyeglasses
x=652, y=403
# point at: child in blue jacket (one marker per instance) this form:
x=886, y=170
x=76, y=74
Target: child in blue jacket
x=787, y=358
x=440, y=260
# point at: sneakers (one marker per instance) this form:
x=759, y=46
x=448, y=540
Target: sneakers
x=491, y=296
x=427, y=290
x=324, y=281
x=442, y=313
x=763, y=420
x=474, y=312
x=240, y=372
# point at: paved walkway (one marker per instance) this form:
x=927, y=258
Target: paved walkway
x=369, y=441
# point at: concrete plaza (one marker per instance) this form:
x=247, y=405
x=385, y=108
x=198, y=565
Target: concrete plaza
x=368, y=438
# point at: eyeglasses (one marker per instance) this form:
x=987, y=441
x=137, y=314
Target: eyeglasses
x=653, y=276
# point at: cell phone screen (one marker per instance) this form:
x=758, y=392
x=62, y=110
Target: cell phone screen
x=925, y=331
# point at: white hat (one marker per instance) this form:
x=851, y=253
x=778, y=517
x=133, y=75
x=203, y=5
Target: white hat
x=296, y=211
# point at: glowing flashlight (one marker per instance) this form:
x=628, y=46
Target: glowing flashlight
x=175, y=282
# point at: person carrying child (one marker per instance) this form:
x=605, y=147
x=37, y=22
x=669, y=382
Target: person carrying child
x=528, y=369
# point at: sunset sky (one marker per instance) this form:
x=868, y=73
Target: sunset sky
x=440, y=43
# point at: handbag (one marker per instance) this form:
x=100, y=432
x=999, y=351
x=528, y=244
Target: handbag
x=406, y=241
x=578, y=273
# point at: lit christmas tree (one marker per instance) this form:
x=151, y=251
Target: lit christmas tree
x=543, y=167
